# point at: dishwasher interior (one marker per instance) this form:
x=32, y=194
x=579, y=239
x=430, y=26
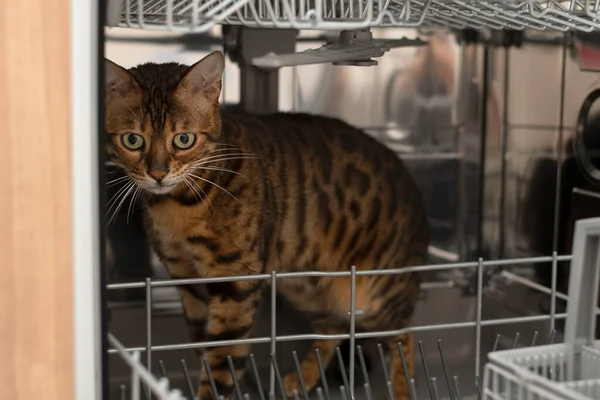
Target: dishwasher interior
x=487, y=125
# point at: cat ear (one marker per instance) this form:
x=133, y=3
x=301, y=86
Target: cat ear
x=119, y=82
x=204, y=77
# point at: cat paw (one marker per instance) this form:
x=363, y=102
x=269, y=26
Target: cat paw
x=291, y=382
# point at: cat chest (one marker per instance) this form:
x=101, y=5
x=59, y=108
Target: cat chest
x=172, y=232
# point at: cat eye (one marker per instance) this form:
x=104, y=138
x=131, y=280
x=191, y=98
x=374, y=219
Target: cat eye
x=184, y=140
x=133, y=141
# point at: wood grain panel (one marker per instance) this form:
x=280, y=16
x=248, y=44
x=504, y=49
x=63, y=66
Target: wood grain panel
x=36, y=319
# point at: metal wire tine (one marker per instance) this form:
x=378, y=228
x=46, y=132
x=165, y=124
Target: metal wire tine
x=368, y=393
x=320, y=394
x=246, y=396
x=457, y=387
x=300, y=377
x=534, y=339
x=515, y=341
x=123, y=389
x=221, y=397
x=278, y=375
x=386, y=375
x=187, y=378
x=413, y=395
x=338, y=353
x=363, y=368
x=413, y=386
x=148, y=331
x=445, y=368
x=343, y=393
x=322, y=374
x=425, y=367
x=296, y=395
x=161, y=368
x=496, y=343
x=552, y=336
x=478, y=385
x=213, y=385
x=436, y=394
x=261, y=393
x=236, y=384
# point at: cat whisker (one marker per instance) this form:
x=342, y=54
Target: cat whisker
x=132, y=202
x=115, y=198
x=117, y=180
x=224, y=149
x=211, y=160
x=216, y=185
x=219, y=156
x=227, y=144
x=220, y=169
x=192, y=184
x=195, y=193
x=123, y=198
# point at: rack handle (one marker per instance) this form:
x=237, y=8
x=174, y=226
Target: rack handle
x=583, y=283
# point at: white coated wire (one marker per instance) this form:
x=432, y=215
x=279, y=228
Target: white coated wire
x=201, y=15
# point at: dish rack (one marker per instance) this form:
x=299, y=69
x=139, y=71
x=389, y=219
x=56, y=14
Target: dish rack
x=202, y=15
x=569, y=371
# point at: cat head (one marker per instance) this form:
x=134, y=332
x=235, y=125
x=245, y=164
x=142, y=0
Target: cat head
x=161, y=119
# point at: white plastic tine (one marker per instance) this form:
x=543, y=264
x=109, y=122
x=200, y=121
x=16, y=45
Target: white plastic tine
x=236, y=383
x=457, y=388
x=259, y=388
x=436, y=395
x=123, y=390
x=188, y=379
x=213, y=385
x=445, y=368
x=246, y=396
x=413, y=395
x=534, y=339
x=296, y=395
x=338, y=353
x=161, y=368
x=478, y=385
x=515, y=341
x=278, y=375
x=300, y=377
x=583, y=283
x=552, y=336
x=320, y=394
x=322, y=374
x=496, y=343
x=386, y=375
x=221, y=397
x=425, y=367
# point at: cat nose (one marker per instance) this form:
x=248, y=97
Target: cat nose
x=158, y=175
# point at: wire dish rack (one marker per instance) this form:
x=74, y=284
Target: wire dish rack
x=569, y=371
x=201, y=15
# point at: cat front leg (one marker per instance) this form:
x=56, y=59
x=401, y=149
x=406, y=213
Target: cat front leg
x=232, y=310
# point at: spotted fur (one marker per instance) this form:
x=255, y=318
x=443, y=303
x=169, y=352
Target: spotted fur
x=254, y=194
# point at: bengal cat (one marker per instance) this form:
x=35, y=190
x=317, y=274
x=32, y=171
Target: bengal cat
x=241, y=194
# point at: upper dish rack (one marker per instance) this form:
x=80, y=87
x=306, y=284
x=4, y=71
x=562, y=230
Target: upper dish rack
x=201, y=15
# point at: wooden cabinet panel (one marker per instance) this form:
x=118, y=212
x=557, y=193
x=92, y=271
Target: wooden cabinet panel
x=36, y=317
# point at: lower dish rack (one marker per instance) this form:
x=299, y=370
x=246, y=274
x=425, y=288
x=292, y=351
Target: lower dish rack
x=567, y=371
